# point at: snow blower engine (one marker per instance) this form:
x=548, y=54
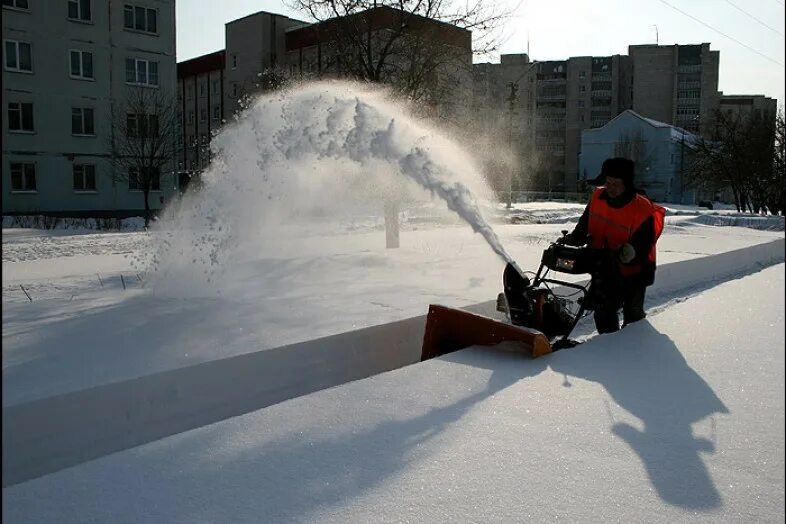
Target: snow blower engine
x=533, y=303
x=538, y=318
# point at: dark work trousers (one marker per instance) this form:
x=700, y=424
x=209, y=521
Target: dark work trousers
x=630, y=297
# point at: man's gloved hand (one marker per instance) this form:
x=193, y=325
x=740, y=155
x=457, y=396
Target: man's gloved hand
x=626, y=253
x=568, y=240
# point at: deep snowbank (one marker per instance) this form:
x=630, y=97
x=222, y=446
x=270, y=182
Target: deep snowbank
x=53, y=433
x=679, y=418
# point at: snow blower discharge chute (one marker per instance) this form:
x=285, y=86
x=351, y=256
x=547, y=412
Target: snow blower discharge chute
x=537, y=320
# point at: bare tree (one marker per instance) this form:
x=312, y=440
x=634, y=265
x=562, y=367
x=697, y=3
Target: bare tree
x=741, y=157
x=776, y=201
x=144, y=140
x=397, y=42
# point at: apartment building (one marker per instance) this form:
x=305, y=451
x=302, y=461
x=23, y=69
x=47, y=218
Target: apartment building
x=201, y=103
x=67, y=67
x=260, y=48
x=548, y=104
x=744, y=106
x=255, y=50
x=676, y=84
x=314, y=50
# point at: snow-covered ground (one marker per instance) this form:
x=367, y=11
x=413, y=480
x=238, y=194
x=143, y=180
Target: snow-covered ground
x=678, y=418
x=113, y=340
x=84, y=329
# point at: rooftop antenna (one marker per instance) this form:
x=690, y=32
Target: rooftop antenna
x=656, y=33
x=527, y=44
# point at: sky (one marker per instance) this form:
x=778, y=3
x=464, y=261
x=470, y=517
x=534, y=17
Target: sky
x=749, y=35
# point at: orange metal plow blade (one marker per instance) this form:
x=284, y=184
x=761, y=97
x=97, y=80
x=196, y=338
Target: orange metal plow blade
x=449, y=330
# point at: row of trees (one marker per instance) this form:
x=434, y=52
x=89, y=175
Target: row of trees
x=745, y=156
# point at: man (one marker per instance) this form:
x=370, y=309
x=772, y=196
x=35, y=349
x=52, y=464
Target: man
x=625, y=225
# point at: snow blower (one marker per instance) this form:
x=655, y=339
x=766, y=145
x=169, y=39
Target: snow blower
x=538, y=321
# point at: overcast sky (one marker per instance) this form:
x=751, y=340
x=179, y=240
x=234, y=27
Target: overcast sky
x=749, y=34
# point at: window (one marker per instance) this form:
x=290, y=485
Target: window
x=203, y=115
x=140, y=18
x=18, y=4
x=234, y=90
x=151, y=175
x=580, y=103
x=84, y=177
x=81, y=64
x=582, y=75
x=202, y=89
x=18, y=56
x=190, y=92
x=234, y=60
x=191, y=117
x=140, y=125
x=582, y=89
x=216, y=112
x=216, y=87
x=20, y=117
x=82, y=121
x=141, y=72
x=79, y=10
x=23, y=177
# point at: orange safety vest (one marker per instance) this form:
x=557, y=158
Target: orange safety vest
x=610, y=228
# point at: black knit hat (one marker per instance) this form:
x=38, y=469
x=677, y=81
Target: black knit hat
x=618, y=167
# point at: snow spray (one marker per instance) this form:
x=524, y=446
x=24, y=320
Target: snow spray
x=313, y=151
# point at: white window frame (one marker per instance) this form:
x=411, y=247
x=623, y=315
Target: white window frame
x=146, y=10
x=80, y=15
x=24, y=179
x=84, y=120
x=81, y=75
x=83, y=175
x=21, y=129
x=16, y=7
x=137, y=63
x=16, y=43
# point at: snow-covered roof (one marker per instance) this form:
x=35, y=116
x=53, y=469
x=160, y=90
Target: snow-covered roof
x=678, y=134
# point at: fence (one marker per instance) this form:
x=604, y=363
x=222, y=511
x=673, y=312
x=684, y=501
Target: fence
x=539, y=196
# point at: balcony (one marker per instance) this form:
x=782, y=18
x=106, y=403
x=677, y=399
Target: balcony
x=695, y=68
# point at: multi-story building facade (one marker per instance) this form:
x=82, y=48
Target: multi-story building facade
x=744, y=106
x=676, y=84
x=200, y=94
x=413, y=42
x=260, y=48
x=549, y=103
x=256, y=48
x=66, y=73
x=599, y=88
